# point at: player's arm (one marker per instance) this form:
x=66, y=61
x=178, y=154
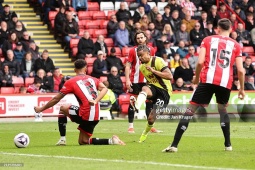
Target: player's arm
x=127, y=74
x=51, y=103
x=240, y=74
x=200, y=64
x=103, y=90
x=164, y=73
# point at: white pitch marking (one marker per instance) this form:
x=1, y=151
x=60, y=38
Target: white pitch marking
x=120, y=161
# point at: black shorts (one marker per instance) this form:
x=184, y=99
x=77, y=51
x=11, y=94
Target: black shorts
x=137, y=88
x=204, y=92
x=84, y=125
x=159, y=96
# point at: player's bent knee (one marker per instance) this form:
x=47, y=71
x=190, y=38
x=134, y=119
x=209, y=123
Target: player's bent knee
x=83, y=141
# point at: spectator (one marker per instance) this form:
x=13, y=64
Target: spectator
x=244, y=5
x=115, y=83
x=182, y=51
x=6, y=77
x=86, y=46
x=249, y=85
x=234, y=22
x=203, y=21
x=207, y=4
x=146, y=6
x=130, y=25
x=209, y=30
x=49, y=5
x=231, y=4
x=153, y=14
x=136, y=28
x=175, y=21
x=122, y=36
x=79, y=5
x=70, y=29
x=154, y=32
x=184, y=71
x=34, y=50
x=101, y=45
x=244, y=35
x=23, y=90
x=12, y=23
x=196, y=35
x=223, y=12
x=151, y=41
x=179, y=85
x=139, y=13
x=169, y=33
x=167, y=15
x=251, y=10
x=6, y=15
x=192, y=57
x=191, y=8
x=249, y=68
x=183, y=35
x=65, y=3
x=176, y=62
x=10, y=44
x=99, y=66
x=57, y=77
x=144, y=21
x=19, y=29
x=45, y=63
x=112, y=60
x=112, y=26
x=174, y=6
x=59, y=20
x=27, y=66
x=236, y=85
x=160, y=45
x=168, y=50
x=190, y=23
x=47, y=84
x=4, y=33
x=240, y=13
x=213, y=16
x=18, y=52
x=13, y=65
x=35, y=87
x=249, y=22
x=123, y=14
x=182, y=13
x=25, y=40
x=159, y=22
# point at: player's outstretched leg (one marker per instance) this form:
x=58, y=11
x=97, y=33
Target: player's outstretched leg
x=149, y=125
x=131, y=115
x=149, y=107
x=225, y=126
x=62, y=121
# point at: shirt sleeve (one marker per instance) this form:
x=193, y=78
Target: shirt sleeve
x=131, y=55
x=67, y=87
x=238, y=51
x=160, y=64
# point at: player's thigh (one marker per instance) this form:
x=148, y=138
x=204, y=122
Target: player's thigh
x=65, y=110
x=222, y=95
x=203, y=94
x=147, y=90
x=160, y=97
x=137, y=88
x=73, y=114
x=87, y=128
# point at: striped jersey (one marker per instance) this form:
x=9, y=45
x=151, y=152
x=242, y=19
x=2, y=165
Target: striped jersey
x=221, y=52
x=136, y=76
x=84, y=88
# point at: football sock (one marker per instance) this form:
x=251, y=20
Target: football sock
x=97, y=141
x=131, y=125
x=62, y=121
x=225, y=125
x=131, y=114
x=147, y=129
x=149, y=107
x=140, y=100
x=63, y=138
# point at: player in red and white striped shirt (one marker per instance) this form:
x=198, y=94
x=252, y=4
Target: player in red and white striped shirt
x=135, y=79
x=85, y=89
x=217, y=56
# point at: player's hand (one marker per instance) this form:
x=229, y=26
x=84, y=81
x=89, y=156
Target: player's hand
x=92, y=102
x=128, y=84
x=241, y=94
x=150, y=69
x=37, y=109
x=195, y=81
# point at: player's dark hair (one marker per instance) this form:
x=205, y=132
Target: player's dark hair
x=144, y=48
x=140, y=32
x=224, y=24
x=80, y=63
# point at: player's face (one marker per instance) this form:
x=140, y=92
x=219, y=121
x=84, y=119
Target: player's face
x=143, y=56
x=140, y=38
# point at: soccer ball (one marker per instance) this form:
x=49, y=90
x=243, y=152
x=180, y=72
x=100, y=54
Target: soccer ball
x=21, y=140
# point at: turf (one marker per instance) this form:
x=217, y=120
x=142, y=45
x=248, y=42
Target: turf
x=201, y=147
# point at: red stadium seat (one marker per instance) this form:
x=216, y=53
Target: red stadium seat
x=85, y=15
x=17, y=81
x=90, y=60
x=52, y=15
x=89, y=70
x=91, y=32
x=93, y=24
x=118, y=51
x=110, y=13
x=124, y=103
x=103, y=78
x=125, y=51
x=52, y=24
x=101, y=32
x=103, y=24
x=74, y=51
x=93, y=6
x=98, y=15
x=16, y=89
x=74, y=42
x=81, y=32
x=81, y=24
x=7, y=90
x=249, y=50
x=29, y=81
x=109, y=42
x=94, y=40
x=124, y=60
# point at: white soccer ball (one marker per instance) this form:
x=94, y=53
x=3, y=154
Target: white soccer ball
x=21, y=140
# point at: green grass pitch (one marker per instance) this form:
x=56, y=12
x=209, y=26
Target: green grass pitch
x=201, y=147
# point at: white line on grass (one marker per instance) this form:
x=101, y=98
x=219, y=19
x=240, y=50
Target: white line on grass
x=118, y=161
